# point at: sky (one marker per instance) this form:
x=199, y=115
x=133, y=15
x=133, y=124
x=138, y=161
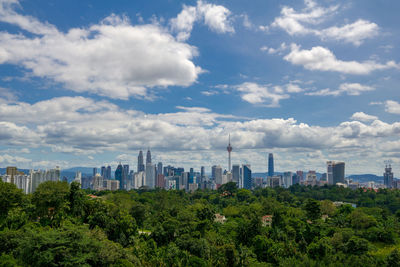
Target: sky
x=90, y=83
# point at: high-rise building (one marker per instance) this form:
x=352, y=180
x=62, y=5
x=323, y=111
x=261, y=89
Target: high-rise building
x=78, y=177
x=338, y=172
x=148, y=157
x=191, y=176
x=287, y=179
x=335, y=172
x=274, y=181
x=236, y=173
x=12, y=171
x=103, y=171
x=229, y=149
x=119, y=173
x=388, y=176
x=98, y=182
x=125, y=176
x=246, y=172
x=300, y=176
x=159, y=168
x=329, y=171
x=94, y=171
x=108, y=172
x=150, y=180
x=39, y=176
x=202, y=172
x=270, y=164
x=217, y=170
x=160, y=180
x=140, y=164
x=213, y=172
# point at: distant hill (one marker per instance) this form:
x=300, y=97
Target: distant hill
x=363, y=178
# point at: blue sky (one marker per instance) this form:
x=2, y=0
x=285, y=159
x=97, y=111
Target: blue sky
x=87, y=83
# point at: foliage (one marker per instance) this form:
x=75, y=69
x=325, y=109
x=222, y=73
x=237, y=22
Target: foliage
x=60, y=225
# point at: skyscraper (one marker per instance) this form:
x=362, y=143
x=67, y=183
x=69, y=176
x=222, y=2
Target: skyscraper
x=246, y=176
x=159, y=168
x=202, y=172
x=140, y=164
x=338, y=172
x=229, y=149
x=270, y=164
x=191, y=176
x=94, y=171
x=388, y=176
x=148, y=157
x=217, y=174
x=236, y=173
x=150, y=175
x=108, y=172
x=119, y=172
x=103, y=171
x=329, y=171
x=125, y=176
x=287, y=179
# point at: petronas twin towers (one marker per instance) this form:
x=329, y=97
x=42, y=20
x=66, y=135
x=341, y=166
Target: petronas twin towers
x=141, y=165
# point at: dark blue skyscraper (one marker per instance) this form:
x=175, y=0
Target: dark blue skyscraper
x=191, y=176
x=125, y=176
x=246, y=177
x=270, y=164
x=140, y=164
x=148, y=157
x=119, y=173
x=103, y=171
x=108, y=176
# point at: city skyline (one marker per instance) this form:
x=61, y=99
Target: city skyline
x=309, y=81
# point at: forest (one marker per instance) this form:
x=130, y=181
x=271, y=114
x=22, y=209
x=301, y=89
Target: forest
x=63, y=225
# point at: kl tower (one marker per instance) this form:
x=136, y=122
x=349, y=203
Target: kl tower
x=229, y=148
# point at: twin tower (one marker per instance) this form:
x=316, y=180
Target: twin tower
x=141, y=166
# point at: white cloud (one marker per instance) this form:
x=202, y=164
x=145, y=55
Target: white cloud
x=209, y=93
x=344, y=88
x=278, y=50
x=322, y=59
x=193, y=136
x=392, y=107
x=292, y=21
x=361, y=116
x=260, y=94
x=305, y=22
x=13, y=160
x=216, y=17
x=353, y=33
x=112, y=58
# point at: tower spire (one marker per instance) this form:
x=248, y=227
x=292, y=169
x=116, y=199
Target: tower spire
x=229, y=148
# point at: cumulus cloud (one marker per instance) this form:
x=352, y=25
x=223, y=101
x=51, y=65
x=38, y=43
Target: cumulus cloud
x=361, y=116
x=292, y=21
x=260, y=94
x=354, y=33
x=306, y=21
x=278, y=50
x=392, y=107
x=113, y=58
x=322, y=59
x=345, y=88
x=86, y=127
x=216, y=17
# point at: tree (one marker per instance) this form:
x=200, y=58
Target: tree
x=51, y=201
x=393, y=260
x=10, y=197
x=356, y=246
x=313, y=209
x=76, y=200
